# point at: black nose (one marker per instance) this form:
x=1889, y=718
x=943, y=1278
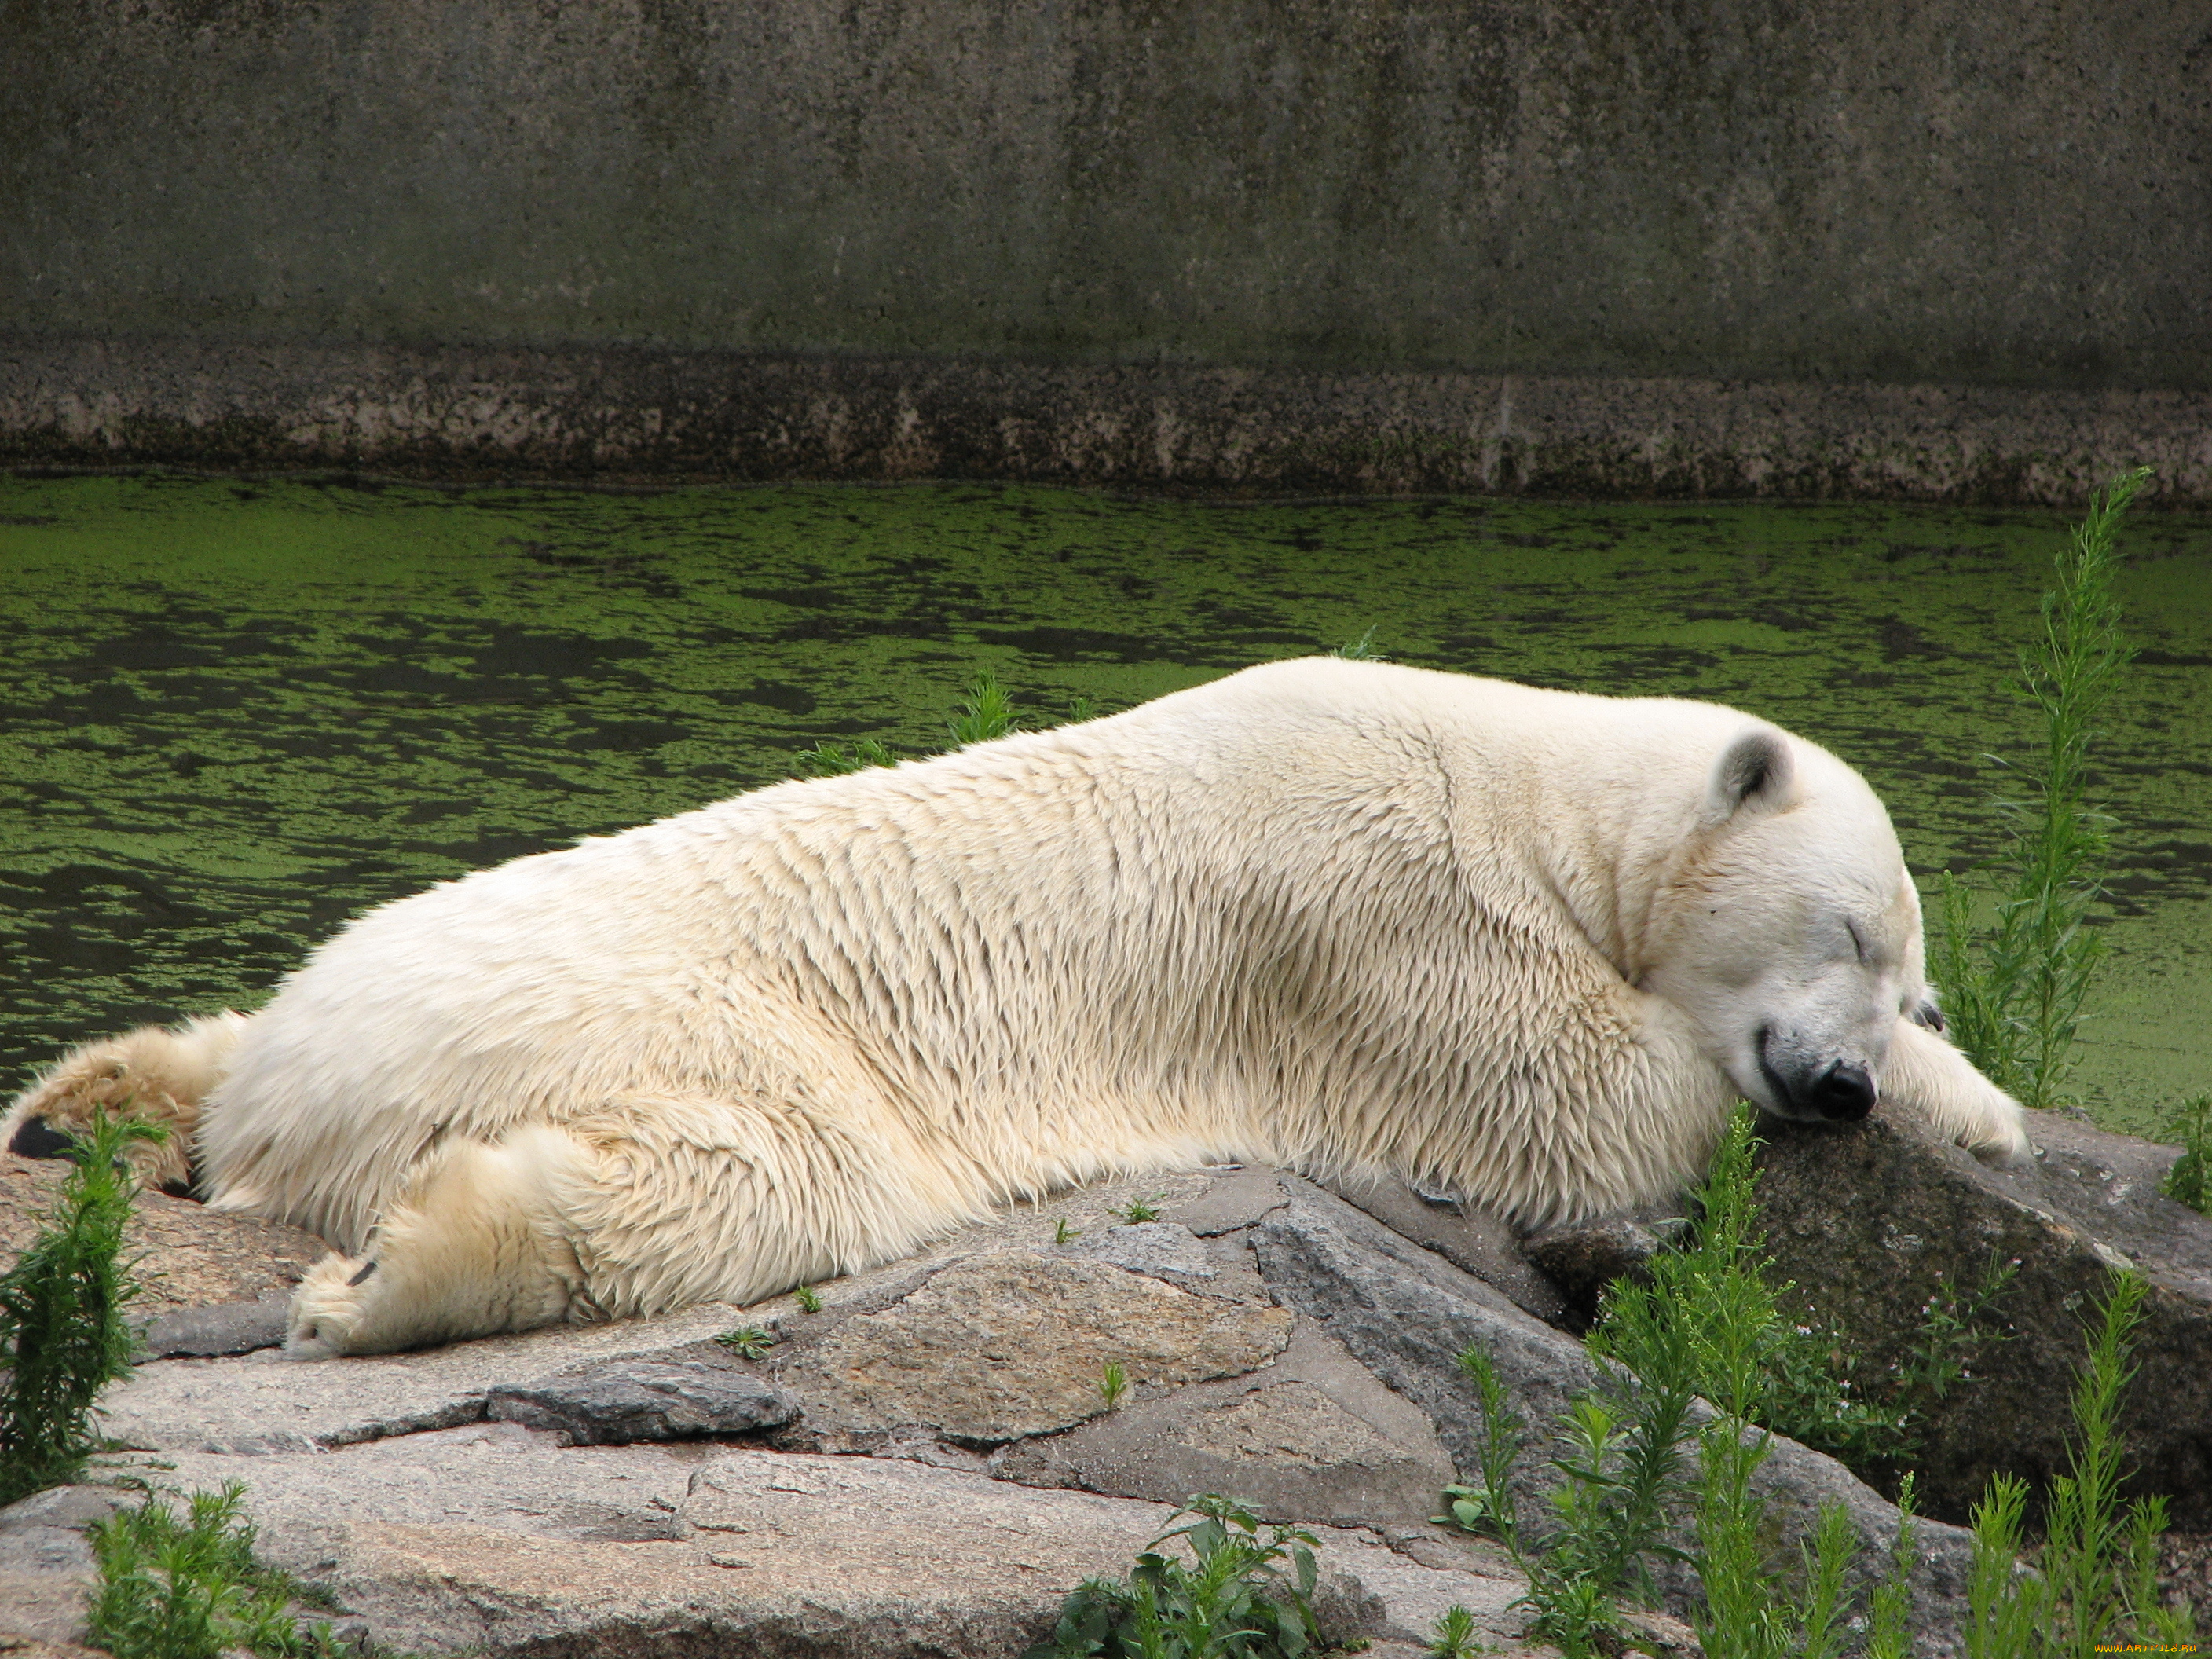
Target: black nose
x=1843, y=1092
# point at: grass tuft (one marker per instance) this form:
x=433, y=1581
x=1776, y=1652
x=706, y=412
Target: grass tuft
x=830, y=759
x=987, y=713
x=1113, y=1383
x=809, y=1299
x=62, y=1315
x=1361, y=649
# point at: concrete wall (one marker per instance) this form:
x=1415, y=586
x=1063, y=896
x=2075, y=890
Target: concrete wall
x=282, y=228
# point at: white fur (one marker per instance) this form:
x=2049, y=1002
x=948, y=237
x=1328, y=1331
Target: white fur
x=1341, y=917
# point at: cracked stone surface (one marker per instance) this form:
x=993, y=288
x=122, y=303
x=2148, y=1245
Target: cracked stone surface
x=262, y=1402
x=1007, y=1346
x=490, y=1540
x=1311, y=1436
x=1163, y=1250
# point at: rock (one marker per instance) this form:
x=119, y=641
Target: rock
x=1163, y=1249
x=1234, y=1199
x=209, y=1278
x=1407, y=1315
x=1002, y=1347
x=1582, y=1258
x=487, y=1539
x=1470, y=1239
x=1920, y=1212
x=222, y=1327
x=45, y=1565
x=618, y=1403
x=260, y=1403
x=1311, y=1438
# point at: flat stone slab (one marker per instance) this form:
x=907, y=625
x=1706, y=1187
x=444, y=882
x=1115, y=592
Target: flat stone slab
x=629, y=1401
x=489, y=1540
x=1163, y=1249
x=1311, y=1438
x=262, y=1402
x=1010, y=1344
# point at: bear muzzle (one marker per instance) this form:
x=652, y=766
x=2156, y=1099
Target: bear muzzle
x=1841, y=1092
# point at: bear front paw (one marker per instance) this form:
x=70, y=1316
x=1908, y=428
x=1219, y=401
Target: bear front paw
x=328, y=1309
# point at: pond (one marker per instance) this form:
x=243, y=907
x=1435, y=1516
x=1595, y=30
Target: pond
x=233, y=713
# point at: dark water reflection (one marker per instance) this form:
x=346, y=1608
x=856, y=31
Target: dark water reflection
x=232, y=715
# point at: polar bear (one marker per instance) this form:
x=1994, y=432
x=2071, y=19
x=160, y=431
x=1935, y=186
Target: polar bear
x=1344, y=917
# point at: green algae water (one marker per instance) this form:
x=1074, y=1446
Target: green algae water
x=234, y=714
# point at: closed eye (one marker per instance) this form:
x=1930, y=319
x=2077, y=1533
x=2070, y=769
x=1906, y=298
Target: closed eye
x=1858, y=942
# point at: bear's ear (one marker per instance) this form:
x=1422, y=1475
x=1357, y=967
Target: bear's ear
x=1754, y=771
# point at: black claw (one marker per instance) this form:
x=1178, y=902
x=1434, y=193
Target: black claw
x=362, y=1274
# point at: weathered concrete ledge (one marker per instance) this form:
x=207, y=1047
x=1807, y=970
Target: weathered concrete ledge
x=632, y=413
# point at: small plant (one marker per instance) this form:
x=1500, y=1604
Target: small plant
x=188, y=1587
x=2189, y=1180
x=1620, y=1460
x=2098, y=1587
x=2013, y=999
x=1139, y=1210
x=749, y=1341
x=62, y=1308
x=2091, y=1542
x=1081, y=708
x=829, y=759
x=809, y=1299
x=1113, y=1383
x=1244, y=1594
x=1361, y=649
x=1488, y=1508
x=1452, y=1636
x=987, y=713
x=1062, y=1233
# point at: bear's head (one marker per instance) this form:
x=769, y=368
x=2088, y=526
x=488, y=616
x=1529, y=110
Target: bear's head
x=1789, y=931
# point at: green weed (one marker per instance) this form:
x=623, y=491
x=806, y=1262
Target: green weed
x=1361, y=649
x=809, y=1299
x=62, y=1315
x=1139, y=1210
x=829, y=759
x=188, y=1587
x=1062, y=1233
x=1619, y=1460
x=1113, y=1383
x=2189, y=1180
x=2013, y=996
x=987, y=713
x=1243, y=1595
x=2098, y=1587
x=748, y=1341
x=1453, y=1637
